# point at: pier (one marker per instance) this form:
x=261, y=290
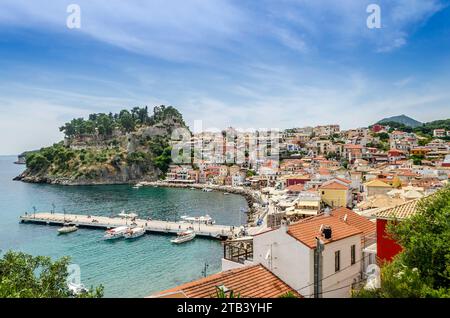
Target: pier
x=151, y=226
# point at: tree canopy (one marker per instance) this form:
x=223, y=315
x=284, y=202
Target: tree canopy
x=422, y=269
x=26, y=276
x=126, y=121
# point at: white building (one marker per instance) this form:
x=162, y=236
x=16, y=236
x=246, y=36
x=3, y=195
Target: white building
x=291, y=253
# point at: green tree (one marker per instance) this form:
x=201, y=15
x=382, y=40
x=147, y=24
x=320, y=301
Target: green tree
x=220, y=293
x=126, y=121
x=27, y=276
x=422, y=269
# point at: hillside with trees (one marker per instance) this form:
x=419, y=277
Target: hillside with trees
x=125, y=147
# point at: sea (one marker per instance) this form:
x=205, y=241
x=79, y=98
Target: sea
x=126, y=268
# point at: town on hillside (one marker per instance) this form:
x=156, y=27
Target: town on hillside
x=323, y=208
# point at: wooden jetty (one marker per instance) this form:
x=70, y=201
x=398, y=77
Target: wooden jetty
x=105, y=222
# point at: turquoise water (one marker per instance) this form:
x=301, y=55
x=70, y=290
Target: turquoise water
x=125, y=268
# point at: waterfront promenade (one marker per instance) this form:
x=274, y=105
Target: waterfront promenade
x=155, y=226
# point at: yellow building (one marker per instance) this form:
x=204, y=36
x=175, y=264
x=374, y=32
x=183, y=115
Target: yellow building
x=375, y=187
x=335, y=194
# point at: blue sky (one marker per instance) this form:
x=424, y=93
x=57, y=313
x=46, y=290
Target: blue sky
x=248, y=64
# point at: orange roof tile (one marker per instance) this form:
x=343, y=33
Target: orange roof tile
x=296, y=187
x=334, y=186
x=401, y=211
x=249, y=282
x=356, y=220
x=307, y=230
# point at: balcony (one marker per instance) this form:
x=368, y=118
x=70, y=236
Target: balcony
x=238, y=251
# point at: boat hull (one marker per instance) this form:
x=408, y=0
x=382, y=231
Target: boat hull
x=184, y=239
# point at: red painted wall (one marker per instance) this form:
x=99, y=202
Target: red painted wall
x=387, y=248
x=293, y=181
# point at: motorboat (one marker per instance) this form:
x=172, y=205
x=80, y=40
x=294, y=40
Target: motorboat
x=206, y=190
x=77, y=289
x=67, y=228
x=116, y=233
x=134, y=233
x=127, y=215
x=226, y=193
x=184, y=237
x=137, y=186
x=198, y=219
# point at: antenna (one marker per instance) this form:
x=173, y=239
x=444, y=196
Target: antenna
x=205, y=268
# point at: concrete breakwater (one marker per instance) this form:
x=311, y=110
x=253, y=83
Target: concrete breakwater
x=252, y=197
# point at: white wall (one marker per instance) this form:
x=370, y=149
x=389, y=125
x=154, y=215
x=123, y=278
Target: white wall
x=347, y=273
x=293, y=262
x=290, y=260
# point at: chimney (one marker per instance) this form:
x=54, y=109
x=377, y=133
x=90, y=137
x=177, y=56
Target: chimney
x=327, y=211
x=326, y=232
x=284, y=224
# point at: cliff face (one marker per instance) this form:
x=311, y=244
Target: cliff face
x=104, y=175
x=141, y=154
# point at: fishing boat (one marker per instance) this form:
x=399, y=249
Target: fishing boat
x=67, y=228
x=116, y=233
x=184, y=237
x=198, y=219
x=134, y=233
x=77, y=289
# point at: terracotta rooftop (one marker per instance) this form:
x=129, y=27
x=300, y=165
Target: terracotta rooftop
x=306, y=231
x=249, y=282
x=401, y=211
x=296, y=187
x=334, y=186
x=377, y=183
x=356, y=220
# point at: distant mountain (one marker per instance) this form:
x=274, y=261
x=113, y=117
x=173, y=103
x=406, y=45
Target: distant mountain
x=402, y=119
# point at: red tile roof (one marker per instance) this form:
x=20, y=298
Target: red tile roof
x=401, y=211
x=249, y=282
x=334, y=186
x=296, y=187
x=356, y=220
x=307, y=230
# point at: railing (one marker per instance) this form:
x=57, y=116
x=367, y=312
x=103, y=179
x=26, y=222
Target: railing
x=238, y=252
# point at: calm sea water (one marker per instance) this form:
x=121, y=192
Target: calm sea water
x=125, y=268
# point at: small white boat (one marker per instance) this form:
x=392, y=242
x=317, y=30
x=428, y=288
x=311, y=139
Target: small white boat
x=192, y=188
x=116, y=233
x=206, y=190
x=67, y=228
x=77, y=289
x=134, y=233
x=198, y=219
x=127, y=215
x=226, y=193
x=137, y=186
x=184, y=237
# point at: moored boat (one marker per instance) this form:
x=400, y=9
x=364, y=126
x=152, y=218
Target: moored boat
x=134, y=233
x=115, y=233
x=206, y=190
x=67, y=228
x=184, y=237
x=198, y=219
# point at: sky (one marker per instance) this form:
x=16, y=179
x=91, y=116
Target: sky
x=241, y=63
